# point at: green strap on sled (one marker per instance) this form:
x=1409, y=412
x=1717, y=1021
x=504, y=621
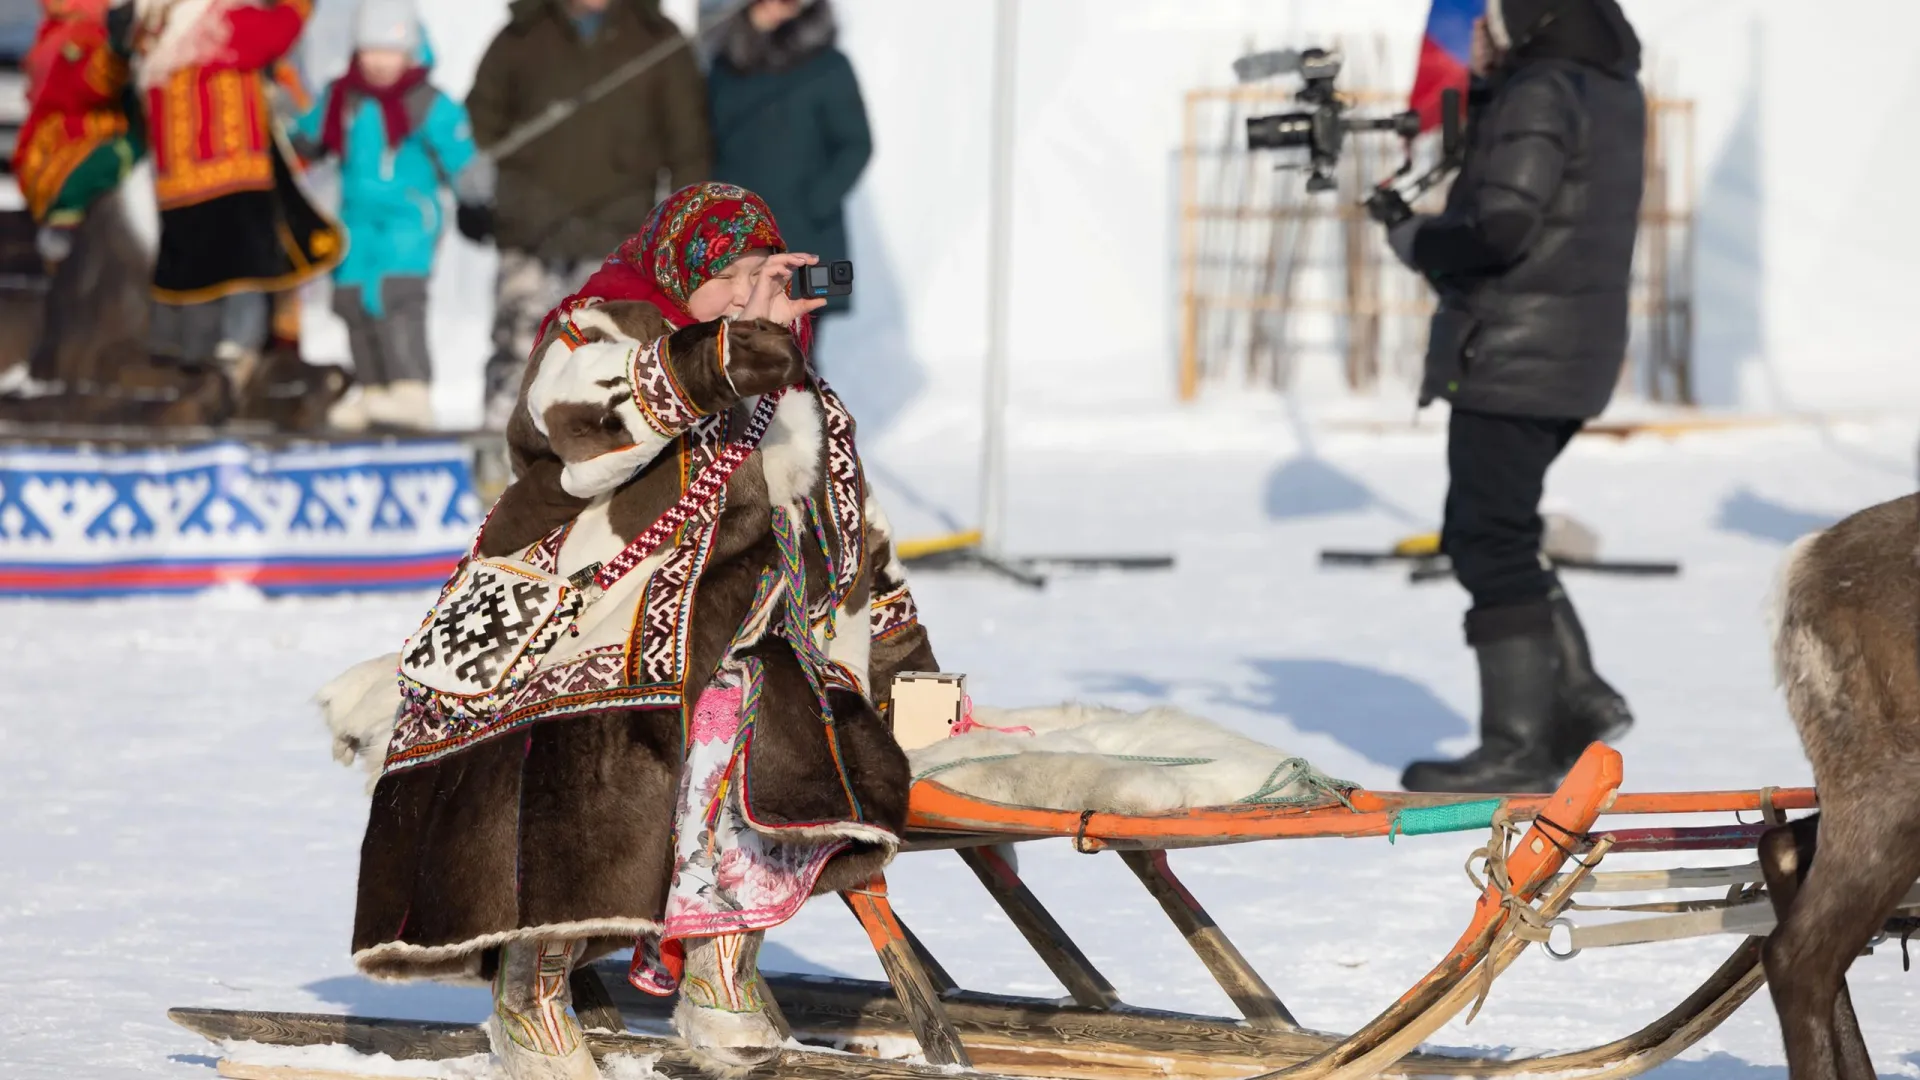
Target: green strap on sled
x=1455, y=817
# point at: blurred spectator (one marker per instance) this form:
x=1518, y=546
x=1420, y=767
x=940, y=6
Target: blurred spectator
x=80, y=138
x=234, y=226
x=398, y=141
x=568, y=197
x=789, y=124
x=77, y=144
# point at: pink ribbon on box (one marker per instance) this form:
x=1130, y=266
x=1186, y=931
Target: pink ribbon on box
x=967, y=722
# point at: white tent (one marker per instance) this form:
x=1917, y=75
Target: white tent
x=1803, y=146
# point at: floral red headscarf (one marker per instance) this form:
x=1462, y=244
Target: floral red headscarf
x=687, y=240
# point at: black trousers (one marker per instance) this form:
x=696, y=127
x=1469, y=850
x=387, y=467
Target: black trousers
x=1497, y=468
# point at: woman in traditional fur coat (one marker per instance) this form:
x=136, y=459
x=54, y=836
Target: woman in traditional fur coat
x=704, y=744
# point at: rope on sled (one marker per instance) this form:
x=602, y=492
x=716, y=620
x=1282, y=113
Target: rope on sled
x=1524, y=921
x=1320, y=786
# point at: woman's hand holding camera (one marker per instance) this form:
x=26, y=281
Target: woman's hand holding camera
x=769, y=299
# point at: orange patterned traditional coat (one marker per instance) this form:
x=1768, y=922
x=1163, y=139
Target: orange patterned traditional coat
x=211, y=127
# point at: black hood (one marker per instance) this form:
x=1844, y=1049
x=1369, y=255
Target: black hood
x=1591, y=32
x=791, y=44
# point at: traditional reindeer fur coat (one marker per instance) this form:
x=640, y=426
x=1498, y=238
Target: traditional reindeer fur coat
x=556, y=819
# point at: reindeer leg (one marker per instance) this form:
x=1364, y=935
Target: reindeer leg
x=1804, y=1039
x=1841, y=900
x=1786, y=855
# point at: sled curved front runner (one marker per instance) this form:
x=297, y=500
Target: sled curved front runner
x=1543, y=849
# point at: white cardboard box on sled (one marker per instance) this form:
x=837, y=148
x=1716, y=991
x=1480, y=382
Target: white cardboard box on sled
x=926, y=705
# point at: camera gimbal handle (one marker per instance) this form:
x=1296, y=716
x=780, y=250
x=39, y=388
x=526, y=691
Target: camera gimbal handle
x=1453, y=148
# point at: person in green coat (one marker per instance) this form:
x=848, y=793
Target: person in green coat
x=788, y=122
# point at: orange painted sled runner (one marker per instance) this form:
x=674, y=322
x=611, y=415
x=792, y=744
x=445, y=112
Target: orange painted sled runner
x=1542, y=851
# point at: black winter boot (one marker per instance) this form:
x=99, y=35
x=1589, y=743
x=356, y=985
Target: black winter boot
x=1516, y=752
x=1586, y=708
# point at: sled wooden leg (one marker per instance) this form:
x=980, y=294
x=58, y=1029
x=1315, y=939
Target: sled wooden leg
x=1248, y=991
x=591, y=1002
x=1447, y=989
x=1049, y=940
x=918, y=996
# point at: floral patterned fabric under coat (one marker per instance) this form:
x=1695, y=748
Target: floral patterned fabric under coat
x=727, y=878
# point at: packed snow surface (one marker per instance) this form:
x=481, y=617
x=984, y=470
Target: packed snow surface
x=174, y=832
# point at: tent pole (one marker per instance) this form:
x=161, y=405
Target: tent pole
x=993, y=451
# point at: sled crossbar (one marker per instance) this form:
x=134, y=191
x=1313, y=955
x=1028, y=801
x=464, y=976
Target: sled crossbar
x=939, y=817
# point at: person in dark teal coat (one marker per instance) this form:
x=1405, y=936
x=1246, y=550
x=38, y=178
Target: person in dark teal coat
x=788, y=122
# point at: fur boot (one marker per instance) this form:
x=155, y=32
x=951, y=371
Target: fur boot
x=406, y=405
x=350, y=412
x=533, y=1034
x=726, y=1015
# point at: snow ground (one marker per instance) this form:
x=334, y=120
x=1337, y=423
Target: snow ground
x=173, y=832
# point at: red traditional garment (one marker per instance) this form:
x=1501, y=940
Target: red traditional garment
x=688, y=239
x=74, y=83
x=77, y=23
x=210, y=123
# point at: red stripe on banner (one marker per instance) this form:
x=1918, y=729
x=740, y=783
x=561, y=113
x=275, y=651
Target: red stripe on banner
x=1439, y=71
x=428, y=570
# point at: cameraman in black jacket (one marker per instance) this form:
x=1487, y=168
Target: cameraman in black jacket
x=1531, y=260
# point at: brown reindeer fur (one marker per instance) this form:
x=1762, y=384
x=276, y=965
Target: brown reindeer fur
x=95, y=314
x=87, y=335
x=1847, y=654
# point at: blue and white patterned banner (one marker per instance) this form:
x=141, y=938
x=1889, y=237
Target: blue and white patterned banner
x=321, y=519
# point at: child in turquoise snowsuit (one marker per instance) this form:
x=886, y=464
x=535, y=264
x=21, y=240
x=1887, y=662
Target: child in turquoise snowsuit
x=398, y=141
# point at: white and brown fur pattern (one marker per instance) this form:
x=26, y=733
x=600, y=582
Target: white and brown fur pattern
x=1847, y=654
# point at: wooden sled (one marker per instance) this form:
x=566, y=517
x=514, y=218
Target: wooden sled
x=1544, y=849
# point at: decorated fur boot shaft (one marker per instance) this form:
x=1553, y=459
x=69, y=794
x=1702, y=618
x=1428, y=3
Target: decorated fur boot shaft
x=726, y=1014
x=533, y=1033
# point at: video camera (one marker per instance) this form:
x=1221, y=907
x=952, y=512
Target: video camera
x=1321, y=129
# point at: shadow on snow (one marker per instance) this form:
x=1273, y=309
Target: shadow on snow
x=1384, y=717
